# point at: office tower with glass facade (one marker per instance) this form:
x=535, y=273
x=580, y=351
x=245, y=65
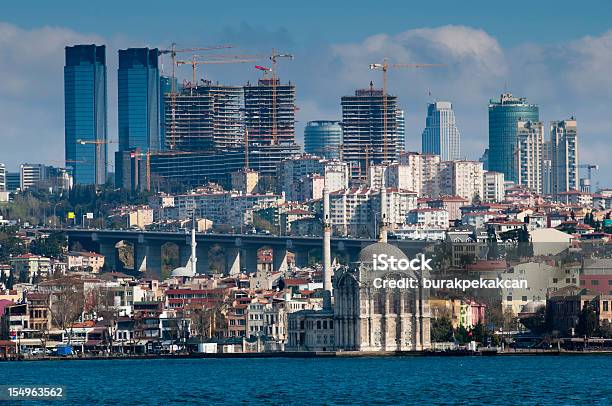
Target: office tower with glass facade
x=138, y=86
x=504, y=115
x=564, y=155
x=165, y=89
x=323, y=138
x=364, y=139
x=441, y=135
x=85, y=113
x=530, y=155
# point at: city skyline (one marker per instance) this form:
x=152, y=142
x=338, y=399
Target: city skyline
x=564, y=73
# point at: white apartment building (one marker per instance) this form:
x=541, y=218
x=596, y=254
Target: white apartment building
x=422, y=175
x=356, y=211
x=462, y=178
x=564, y=155
x=529, y=155
x=230, y=208
x=2, y=178
x=291, y=170
x=429, y=217
x=494, y=188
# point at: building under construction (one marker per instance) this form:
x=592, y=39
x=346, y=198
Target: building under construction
x=363, y=120
x=177, y=170
x=204, y=117
x=269, y=112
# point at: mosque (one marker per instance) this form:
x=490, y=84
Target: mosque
x=360, y=317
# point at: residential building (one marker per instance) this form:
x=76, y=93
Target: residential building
x=323, y=138
x=441, y=135
x=530, y=155
x=85, y=113
x=427, y=217
x=462, y=178
x=504, y=115
x=597, y=275
x=452, y=204
x=365, y=117
x=2, y=178
x=245, y=181
x=564, y=306
x=401, y=131
x=31, y=265
x=422, y=175
x=564, y=155
x=494, y=187
x=79, y=261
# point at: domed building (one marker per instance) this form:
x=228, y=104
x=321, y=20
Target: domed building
x=368, y=318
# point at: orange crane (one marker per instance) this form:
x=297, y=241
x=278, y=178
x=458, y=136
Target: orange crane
x=194, y=62
x=384, y=66
x=274, y=58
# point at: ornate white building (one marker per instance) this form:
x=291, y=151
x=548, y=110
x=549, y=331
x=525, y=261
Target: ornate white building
x=371, y=319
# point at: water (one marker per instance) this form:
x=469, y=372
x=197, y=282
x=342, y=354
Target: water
x=515, y=380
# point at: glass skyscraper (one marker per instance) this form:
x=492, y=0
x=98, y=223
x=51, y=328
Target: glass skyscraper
x=165, y=87
x=441, y=136
x=504, y=116
x=85, y=113
x=138, y=85
x=323, y=138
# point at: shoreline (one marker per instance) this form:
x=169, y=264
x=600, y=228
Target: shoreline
x=302, y=354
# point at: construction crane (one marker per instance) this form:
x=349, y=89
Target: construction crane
x=173, y=51
x=274, y=58
x=194, y=62
x=384, y=66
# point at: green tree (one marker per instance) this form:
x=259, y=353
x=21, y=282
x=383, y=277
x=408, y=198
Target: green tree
x=441, y=330
x=587, y=321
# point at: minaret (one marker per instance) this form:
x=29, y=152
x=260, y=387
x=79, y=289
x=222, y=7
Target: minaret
x=327, y=270
x=383, y=215
x=194, y=259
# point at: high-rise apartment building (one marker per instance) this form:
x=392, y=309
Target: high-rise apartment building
x=269, y=112
x=494, y=188
x=85, y=113
x=365, y=141
x=462, y=178
x=2, y=178
x=204, y=117
x=503, y=118
x=564, y=155
x=138, y=87
x=441, y=135
x=529, y=155
x=401, y=131
x=323, y=139
x=425, y=172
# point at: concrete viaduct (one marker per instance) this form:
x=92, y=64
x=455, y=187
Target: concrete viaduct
x=240, y=249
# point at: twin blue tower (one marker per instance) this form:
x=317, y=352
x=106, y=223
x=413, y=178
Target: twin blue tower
x=140, y=102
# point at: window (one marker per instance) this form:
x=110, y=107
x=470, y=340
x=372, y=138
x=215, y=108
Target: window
x=595, y=282
x=605, y=305
x=524, y=298
x=555, y=280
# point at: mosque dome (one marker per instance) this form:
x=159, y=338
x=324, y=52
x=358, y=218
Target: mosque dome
x=181, y=272
x=367, y=254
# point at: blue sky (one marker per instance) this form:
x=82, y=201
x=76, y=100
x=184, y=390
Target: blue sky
x=555, y=53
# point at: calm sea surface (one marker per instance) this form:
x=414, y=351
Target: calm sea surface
x=517, y=380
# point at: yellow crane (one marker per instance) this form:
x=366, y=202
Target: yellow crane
x=384, y=67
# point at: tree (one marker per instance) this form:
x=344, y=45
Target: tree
x=441, y=330
x=587, y=321
x=66, y=307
